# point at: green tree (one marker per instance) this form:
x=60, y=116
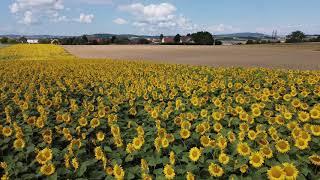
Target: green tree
x=12, y=41
x=161, y=37
x=84, y=39
x=23, y=39
x=4, y=40
x=296, y=36
x=44, y=41
x=203, y=38
x=177, y=38
x=113, y=39
x=250, y=41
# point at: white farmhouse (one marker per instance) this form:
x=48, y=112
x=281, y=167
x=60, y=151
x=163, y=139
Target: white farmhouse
x=33, y=41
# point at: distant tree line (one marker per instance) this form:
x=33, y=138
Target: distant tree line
x=198, y=38
x=262, y=41
x=6, y=40
x=299, y=36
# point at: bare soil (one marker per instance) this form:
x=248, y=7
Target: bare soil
x=304, y=56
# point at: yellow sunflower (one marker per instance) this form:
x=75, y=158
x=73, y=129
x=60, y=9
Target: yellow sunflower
x=315, y=159
x=223, y=158
x=75, y=163
x=164, y=142
x=98, y=153
x=168, y=171
x=217, y=127
x=190, y=176
x=303, y=116
x=137, y=143
x=47, y=169
x=276, y=173
x=118, y=172
x=215, y=170
x=244, y=168
x=315, y=113
x=7, y=131
x=256, y=160
x=100, y=136
x=194, y=154
x=266, y=152
x=109, y=170
x=290, y=171
x=184, y=133
x=95, y=122
x=256, y=112
x=83, y=121
x=19, y=143
x=243, y=149
x=301, y=144
x=282, y=146
x=172, y=158
x=252, y=135
x=144, y=165
x=315, y=130
x=205, y=141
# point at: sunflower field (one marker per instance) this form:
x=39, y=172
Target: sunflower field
x=67, y=118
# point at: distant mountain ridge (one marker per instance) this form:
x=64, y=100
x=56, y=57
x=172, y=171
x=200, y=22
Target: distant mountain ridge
x=244, y=35
x=109, y=35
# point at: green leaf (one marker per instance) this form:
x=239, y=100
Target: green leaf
x=28, y=176
x=283, y=158
x=107, y=149
x=84, y=165
x=305, y=171
x=53, y=176
x=262, y=170
x=130, y=175
x=129, y=158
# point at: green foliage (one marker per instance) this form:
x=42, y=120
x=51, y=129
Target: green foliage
x=203, y=38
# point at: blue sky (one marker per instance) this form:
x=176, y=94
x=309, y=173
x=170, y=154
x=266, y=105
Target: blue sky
x=76, y=17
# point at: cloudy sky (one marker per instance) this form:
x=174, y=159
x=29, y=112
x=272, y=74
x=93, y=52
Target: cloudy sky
x=76, y=17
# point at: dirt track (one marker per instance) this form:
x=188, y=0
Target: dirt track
x=302, y=56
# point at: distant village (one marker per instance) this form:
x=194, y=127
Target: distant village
x=199, y=38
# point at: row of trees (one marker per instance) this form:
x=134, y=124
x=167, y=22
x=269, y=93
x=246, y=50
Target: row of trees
x=6, y=40
x=299, y=36
x=262, y=41
x=198, y=38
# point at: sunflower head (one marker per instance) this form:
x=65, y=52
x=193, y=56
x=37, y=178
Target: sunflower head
x=282, y=146
x=243, y=149
x=276, y=173
x=315, y=159
x=190, y=176
x=215, y=170
x=19, y=144
x=47, y=169
x=290, y=171
x=168, y=171
x=256, y=160
x=194, y=154
x=184, y=133
x=118, y=172
x=223, y=158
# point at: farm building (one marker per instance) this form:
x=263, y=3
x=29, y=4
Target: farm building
x=168, y=40
x=33, y=41
x=186, y=40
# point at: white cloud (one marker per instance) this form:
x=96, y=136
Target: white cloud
x=85, y=18
x=31, y=5
x=28, y=18
x=36, y=11
x=95, y=2
x=120, y=21
x=222, y=28
x=154, y=18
